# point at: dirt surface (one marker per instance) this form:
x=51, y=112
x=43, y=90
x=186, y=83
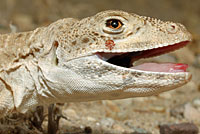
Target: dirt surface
x=135, y=115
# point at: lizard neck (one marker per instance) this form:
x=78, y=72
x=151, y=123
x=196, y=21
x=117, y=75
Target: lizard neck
x=18, y=47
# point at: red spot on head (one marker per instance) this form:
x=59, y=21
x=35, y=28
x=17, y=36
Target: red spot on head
x=110, y=44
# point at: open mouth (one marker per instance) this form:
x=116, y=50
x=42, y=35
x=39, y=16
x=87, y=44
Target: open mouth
x=127, y=59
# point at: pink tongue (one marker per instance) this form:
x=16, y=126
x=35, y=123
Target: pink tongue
x=166, y=67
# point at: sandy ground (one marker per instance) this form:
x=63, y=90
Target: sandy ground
x=119, y=116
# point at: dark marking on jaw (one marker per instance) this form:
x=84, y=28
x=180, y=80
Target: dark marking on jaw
x=85, y=40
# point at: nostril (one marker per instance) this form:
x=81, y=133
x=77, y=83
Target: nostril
x=172, y=28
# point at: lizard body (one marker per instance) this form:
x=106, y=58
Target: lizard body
x=90, y=59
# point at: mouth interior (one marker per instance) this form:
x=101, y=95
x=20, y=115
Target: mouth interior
x=127, y=59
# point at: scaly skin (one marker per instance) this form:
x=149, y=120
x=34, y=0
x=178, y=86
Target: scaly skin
x=59, y=63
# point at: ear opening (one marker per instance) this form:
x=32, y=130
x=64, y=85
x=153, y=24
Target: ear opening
x=55, y=58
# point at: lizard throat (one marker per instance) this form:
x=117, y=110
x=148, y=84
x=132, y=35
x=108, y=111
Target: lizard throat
x=127, y=59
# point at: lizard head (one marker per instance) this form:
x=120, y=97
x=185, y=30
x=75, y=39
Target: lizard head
x=101, y=50
x=119, y=32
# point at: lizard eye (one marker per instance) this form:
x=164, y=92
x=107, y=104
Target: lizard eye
x=114, y=24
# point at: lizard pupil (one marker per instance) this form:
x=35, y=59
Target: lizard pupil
x=115, y=23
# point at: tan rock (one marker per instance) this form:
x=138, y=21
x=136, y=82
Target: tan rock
x=191, y=113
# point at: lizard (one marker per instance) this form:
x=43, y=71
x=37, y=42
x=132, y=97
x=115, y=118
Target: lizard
x=89, y=59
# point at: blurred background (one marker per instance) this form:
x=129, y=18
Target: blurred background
x=143, y=115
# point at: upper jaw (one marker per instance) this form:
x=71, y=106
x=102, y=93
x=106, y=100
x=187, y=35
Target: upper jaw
x=126, y=59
